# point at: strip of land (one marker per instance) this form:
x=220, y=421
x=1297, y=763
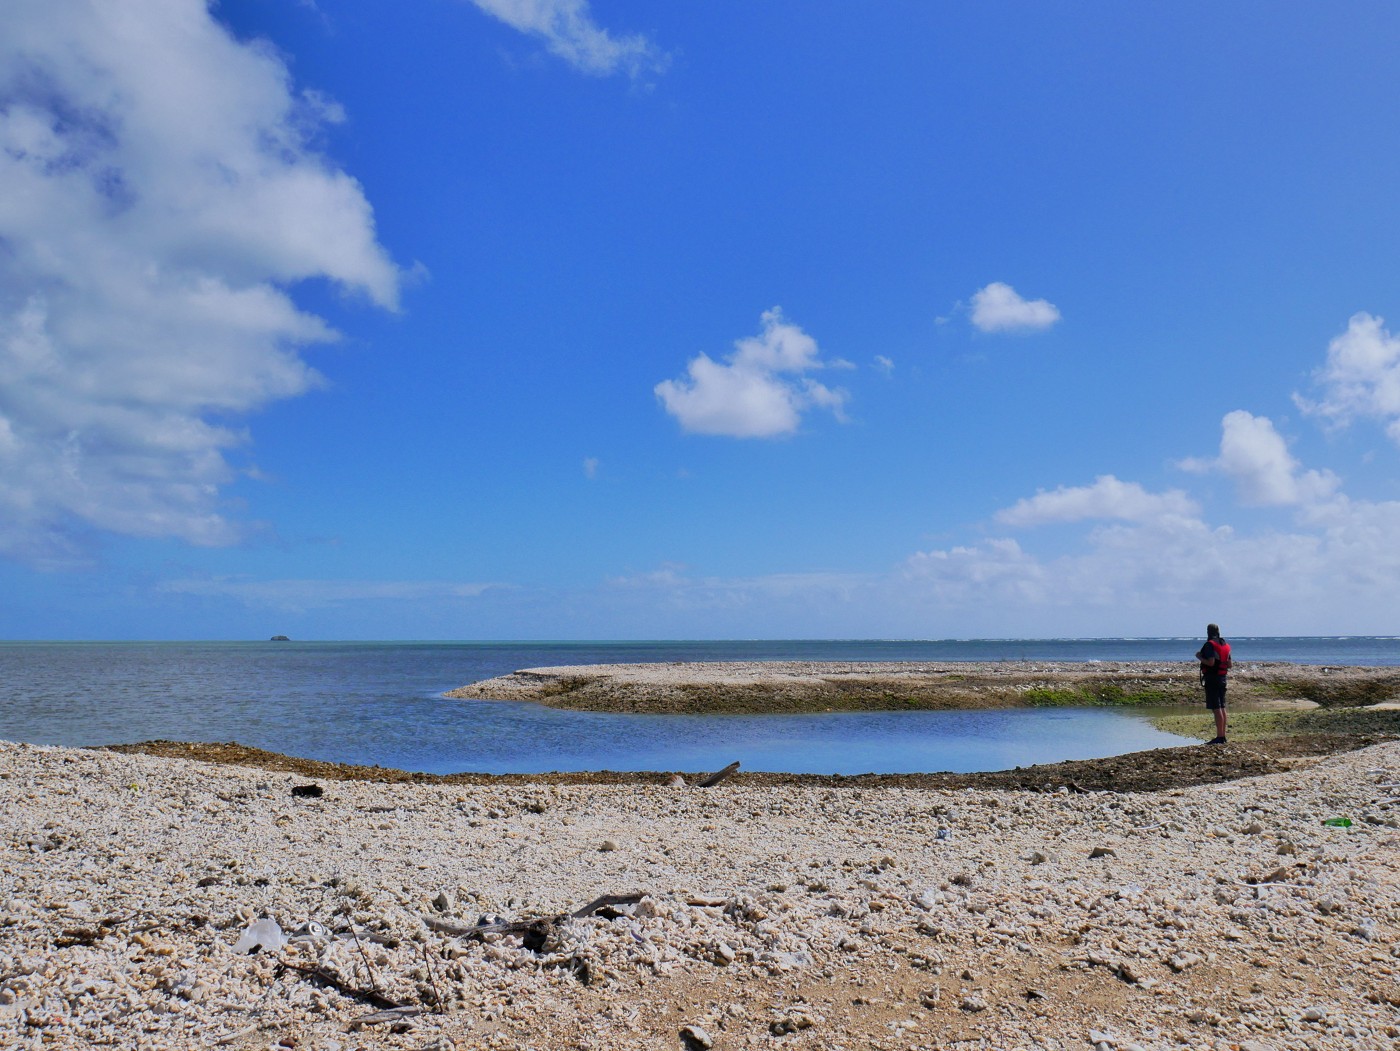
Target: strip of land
x=808, y=686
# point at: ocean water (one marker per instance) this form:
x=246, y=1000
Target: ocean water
x=373, y=702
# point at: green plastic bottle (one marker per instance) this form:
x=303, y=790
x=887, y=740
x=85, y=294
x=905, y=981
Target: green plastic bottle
x=1338, y=822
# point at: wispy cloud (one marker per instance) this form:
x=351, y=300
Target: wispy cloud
x=298, y=596
x=998, y=308
x=759, y=391
x=568, y=30
x=590, y=467
x=162, y=190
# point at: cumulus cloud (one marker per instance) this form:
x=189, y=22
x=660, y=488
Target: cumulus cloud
x=1256, y=458
x=1312, y=559
x=1107, y=498
x=1361, y=378
x=162, y=191
x=759, y=391
x=998, y=308
x=569, y=31
x=1336, y=565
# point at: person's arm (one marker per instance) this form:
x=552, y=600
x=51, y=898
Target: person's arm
x=1201, y=655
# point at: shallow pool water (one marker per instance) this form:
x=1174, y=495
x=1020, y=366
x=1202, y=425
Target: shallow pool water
x=381, y=703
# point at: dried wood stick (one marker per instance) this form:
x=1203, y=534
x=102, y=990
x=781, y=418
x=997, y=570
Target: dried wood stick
x=718, y=776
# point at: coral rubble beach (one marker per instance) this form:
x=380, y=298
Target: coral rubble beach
x=1204, y=904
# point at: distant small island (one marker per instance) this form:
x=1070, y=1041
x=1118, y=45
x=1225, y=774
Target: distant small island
x=279, y=638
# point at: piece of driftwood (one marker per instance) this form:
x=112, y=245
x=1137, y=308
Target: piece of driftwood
x=319, y=974
x=718, y=776
x=393, y=1014
x=532, y=931
x=605, y=900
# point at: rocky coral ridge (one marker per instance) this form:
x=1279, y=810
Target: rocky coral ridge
x=788, y=686
x=1214, y=917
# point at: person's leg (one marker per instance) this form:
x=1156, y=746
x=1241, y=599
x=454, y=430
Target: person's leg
x=1215, y=701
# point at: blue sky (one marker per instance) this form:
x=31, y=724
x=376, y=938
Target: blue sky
x=484, y=319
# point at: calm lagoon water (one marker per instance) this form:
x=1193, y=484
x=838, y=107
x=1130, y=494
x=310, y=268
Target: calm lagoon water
x=381, y=703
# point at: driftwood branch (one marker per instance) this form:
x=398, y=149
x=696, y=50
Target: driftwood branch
x=718, y=776
x=534, y=931
x=369, y=996
x=604, y=900
x=392, y=1014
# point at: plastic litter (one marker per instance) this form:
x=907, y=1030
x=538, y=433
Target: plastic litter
x=261, y=935
x=1338, y=822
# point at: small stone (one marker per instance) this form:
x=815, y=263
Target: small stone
x=607, y=845
x=1287, y=848
x=1037, y=858
x=1253, y=828
x=972, y=1003
x=1103, y=852
x=1314, y=1014
x=444, y=901
x=696, y=1039
x=1132, y=972
x=1183, y=961
x=791, y=1023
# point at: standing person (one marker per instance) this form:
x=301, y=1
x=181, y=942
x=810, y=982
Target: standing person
x=1215, y=666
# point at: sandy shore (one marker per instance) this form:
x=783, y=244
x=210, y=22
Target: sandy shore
x=816, y=686
x=1219, y=916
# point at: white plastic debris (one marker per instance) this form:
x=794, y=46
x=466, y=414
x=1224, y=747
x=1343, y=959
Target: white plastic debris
x=261, y=935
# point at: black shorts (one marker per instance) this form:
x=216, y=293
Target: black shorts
x=1215, y=692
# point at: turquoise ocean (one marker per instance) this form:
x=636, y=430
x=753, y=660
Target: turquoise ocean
x=381, y=703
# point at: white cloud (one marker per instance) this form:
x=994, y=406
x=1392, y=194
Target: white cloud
x=1362, y=376
x=1335, y=570
x=759, y=392
x=884, y=364
x=997, y=571
x=296, y=596
x=161, y=192
x=568, y=31
x=997, y=308
x=1256, y=458
x=1107, y=498
x=590, y=467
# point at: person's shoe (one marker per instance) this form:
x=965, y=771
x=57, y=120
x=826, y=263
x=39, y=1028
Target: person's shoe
x=1216, y=740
